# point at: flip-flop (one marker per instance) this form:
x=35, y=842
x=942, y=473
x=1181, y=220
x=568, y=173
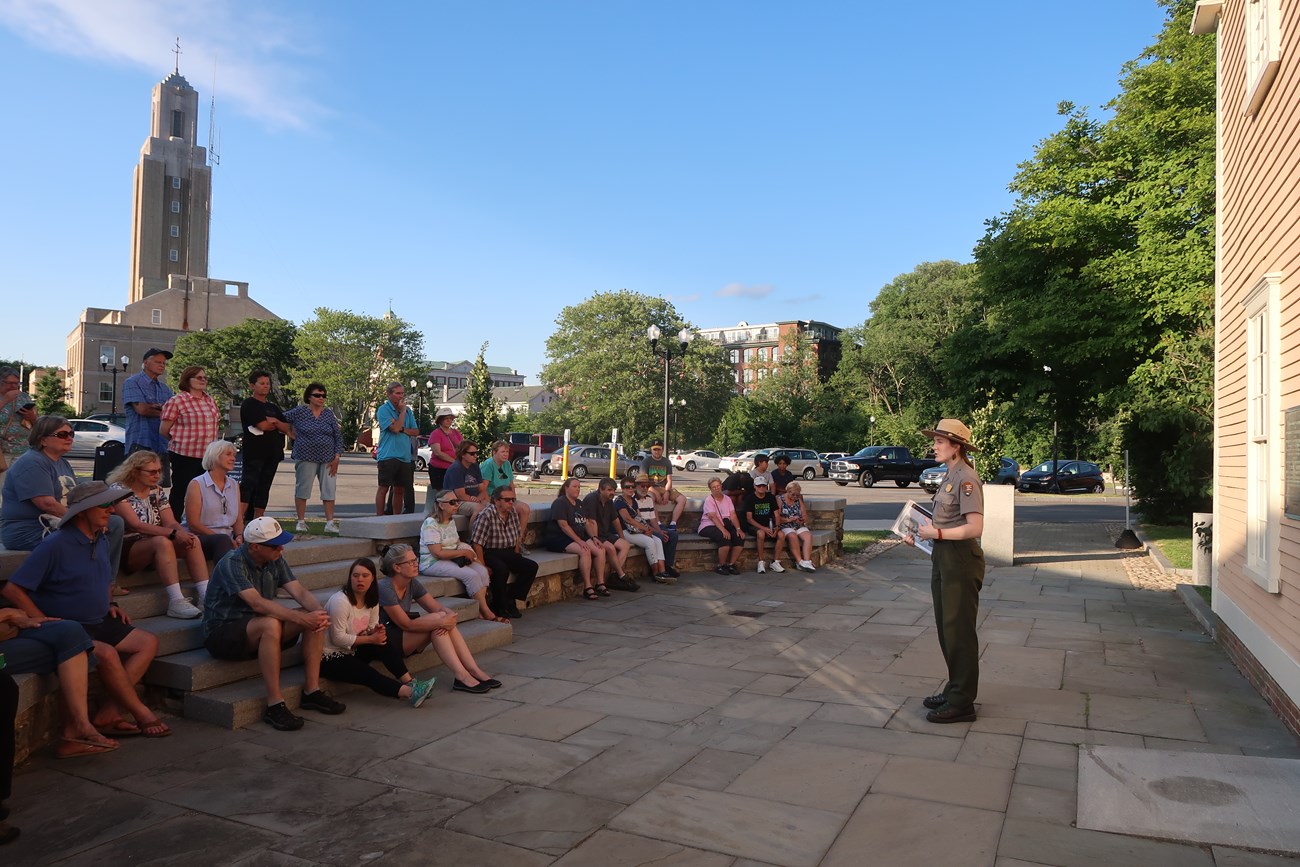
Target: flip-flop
x=119, y=728
x=81, y=747
x=155, y=729
x=118, y=590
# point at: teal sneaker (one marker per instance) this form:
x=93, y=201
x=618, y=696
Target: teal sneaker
x=420, y=690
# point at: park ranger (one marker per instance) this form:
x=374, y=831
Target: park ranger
x=957, y=571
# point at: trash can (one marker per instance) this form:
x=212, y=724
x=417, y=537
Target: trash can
x=107, y=458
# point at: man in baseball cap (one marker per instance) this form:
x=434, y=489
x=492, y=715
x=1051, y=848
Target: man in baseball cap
x=242, y=620
x=143, y=396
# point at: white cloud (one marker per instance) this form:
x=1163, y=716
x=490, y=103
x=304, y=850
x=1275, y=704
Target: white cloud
x=244, y=47
x=739, y=290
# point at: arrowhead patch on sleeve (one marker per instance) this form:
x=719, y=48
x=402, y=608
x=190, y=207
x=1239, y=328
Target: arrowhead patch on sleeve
x=967, y=488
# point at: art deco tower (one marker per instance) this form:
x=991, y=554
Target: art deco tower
x=173, y=186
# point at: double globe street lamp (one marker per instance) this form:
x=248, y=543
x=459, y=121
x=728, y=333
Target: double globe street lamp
x=104, y=362
x=684, y=337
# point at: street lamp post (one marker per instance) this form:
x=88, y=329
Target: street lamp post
x=1056, y=437
x=871, y=431
x=684, y=338
x=104, y=362
x=419, y=402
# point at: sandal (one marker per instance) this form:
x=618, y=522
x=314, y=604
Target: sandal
x=155, y=728
x=72, y=748
x=590, y=593
x=119, y=728
x=118, y=590
x=602, y=589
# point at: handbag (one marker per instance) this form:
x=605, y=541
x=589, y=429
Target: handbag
x=461, y=561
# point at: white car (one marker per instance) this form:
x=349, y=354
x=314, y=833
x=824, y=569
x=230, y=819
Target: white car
x=728, y=464
x=701, y=459
x=91, y=434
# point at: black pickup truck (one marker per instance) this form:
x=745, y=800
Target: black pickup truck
x=880, y=464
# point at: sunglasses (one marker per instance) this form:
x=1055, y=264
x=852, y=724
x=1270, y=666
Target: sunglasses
x=153, y=472
x=317, y=394
x=449, y=502
x=472, y=454
x=506, y=499
x=64, y=434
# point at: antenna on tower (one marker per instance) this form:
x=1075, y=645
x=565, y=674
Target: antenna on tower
x=177, y=52
x=214, y=136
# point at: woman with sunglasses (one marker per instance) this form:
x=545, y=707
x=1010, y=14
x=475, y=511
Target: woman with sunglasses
x=355, y=639
x=17, y=415
x=317, y=447
x=189, y=421
x=436, y=626
x=36, y=483
x=212, y=503
x=154, y=538
x=498, y=473
x=793, y=525
x=444, y=555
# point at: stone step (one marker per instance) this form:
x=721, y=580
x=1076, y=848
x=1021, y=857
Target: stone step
x=235, y=705
x=195, y=669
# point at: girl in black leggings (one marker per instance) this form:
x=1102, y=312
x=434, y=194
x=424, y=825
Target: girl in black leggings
x=355, y=639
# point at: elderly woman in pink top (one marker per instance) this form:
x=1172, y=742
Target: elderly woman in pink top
x=720, y=525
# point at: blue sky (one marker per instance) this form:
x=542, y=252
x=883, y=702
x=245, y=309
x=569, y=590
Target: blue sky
x=483, y=165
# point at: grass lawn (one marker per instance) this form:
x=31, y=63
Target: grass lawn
x=1205, y=594
x=860, y=540
x=1174, y=541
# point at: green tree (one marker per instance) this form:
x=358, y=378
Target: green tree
x=51, y=397
x=230, y=354
x=481, y=422
x=601, y=366
x=355, y=357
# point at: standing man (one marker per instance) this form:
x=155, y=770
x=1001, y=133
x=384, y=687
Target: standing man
x=498, y=541
x=67, y=577
x=264, y=430
x=143, y=396
x=243, y=620
x=396, y=469
x=660, y=471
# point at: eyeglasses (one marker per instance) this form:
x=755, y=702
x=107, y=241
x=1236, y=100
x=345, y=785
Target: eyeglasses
x=199, y=376
x=449, y=502
x=153, y=472
x=506, y=499
x=412, y=562
x=64, y=434
x=11, y=382
x=317, y=394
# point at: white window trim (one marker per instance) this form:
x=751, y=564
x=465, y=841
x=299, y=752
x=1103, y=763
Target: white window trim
x=1265, y=298
x=155, y=317
x=1263, y=23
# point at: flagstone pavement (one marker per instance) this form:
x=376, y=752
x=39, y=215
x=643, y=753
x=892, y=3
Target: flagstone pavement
x=746, y=721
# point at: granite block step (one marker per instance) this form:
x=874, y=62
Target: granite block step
x=234, y=705
x=195, y=669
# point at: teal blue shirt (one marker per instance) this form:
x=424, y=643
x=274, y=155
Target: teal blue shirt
x=393, y=444
x=497, y=475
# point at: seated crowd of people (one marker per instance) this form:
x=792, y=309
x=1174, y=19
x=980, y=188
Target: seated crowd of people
x=63, y=618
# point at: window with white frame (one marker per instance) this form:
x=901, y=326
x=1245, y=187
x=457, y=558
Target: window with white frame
x=108, y=353
x=749, y=375
x=176, y=183
x=175, y=231
x=1263, y=439
x=106, y=392
x=176, y=207
x=155, y=317
x=173, y=255
x=1263, y=20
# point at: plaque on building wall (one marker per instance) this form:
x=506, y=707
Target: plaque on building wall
x=1292, y=466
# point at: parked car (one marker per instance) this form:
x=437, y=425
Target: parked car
x=932, y=478
x=803, y=462
x=827, y=457
x=117, y=418
x=591, y=461
x=701, y=459
x=878, y=464
x=91, y=434
x=728, y=463
x=1071, y=476
x=1008, y=472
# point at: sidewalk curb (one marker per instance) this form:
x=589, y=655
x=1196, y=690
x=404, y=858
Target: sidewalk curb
x=1154, y=552
x=1200, y=610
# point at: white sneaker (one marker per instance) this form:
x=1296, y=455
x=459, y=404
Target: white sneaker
x=807, y=566
x=181, y=609
x=331, y=527
x=761, y=568
x=302, y=527
x=777, y=567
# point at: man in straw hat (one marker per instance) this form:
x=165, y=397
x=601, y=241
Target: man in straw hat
x=957, y=571
x=68, y=576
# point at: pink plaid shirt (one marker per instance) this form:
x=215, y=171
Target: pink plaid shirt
x=195, y=420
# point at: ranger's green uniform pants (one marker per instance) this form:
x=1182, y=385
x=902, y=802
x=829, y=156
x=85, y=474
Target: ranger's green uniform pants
x=957, y=574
